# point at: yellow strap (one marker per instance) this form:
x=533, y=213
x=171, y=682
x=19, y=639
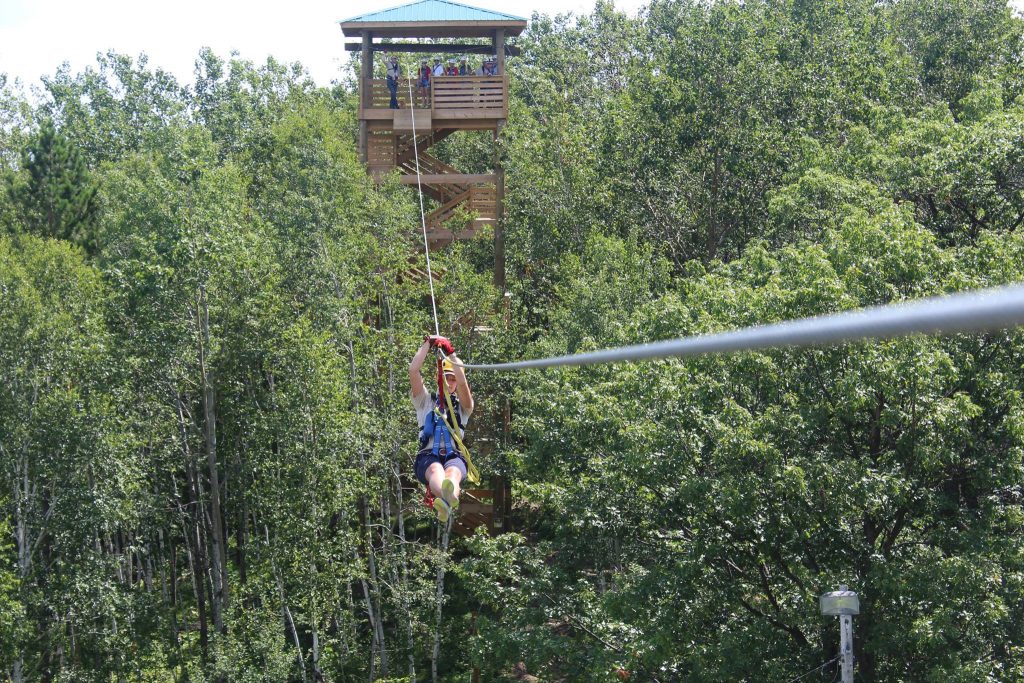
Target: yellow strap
x=472, y=474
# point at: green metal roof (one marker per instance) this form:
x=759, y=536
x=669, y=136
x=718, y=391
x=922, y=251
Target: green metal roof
x=431, y=11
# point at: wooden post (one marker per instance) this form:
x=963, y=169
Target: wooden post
x=499, y=173
x=475, y=676
x=365, y=96
x=497, y=504
x=499, y=49
x=506, y=497
x=499, y=213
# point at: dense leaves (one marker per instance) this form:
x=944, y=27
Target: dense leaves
x=58, y=196
x=206, y=312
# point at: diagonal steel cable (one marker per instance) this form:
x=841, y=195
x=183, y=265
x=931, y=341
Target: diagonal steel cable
x=977, y=311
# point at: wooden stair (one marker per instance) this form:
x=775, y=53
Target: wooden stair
x=404, y=150
x=485, y=507
x=431, y=165
x=478, y=199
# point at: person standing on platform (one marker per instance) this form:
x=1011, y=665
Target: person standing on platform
x=438, y=68
x=464, y=68
x=392, y=79
x=424, y=78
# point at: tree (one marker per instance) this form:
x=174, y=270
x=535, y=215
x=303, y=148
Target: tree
x=63, y=459
x=12, y=610
x=205, y=437
x=952, y=41
x=58, y=198
x=116, y=108
x=735, y=489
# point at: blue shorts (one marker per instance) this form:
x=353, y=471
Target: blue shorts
x=426, y=458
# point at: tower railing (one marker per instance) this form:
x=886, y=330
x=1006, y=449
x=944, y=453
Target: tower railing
x=449, y=96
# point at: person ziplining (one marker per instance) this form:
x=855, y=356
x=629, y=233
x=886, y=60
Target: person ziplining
x=443, y=460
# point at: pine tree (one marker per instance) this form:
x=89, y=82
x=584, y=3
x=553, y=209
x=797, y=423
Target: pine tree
x=58, y=198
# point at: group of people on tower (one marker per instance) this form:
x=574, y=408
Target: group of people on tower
x=426, y=73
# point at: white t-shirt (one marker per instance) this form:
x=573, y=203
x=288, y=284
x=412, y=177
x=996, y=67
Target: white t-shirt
x=439, y=69
x=425, y=404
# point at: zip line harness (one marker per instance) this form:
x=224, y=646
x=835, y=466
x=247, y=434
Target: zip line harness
x=444, y=424
x=441, y=427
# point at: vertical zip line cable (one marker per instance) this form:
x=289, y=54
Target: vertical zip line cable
x=423, y=216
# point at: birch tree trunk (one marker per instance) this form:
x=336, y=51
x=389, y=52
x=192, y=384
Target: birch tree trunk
x=218, y=549
x=372, y=616
x=435, y=653
x=372, y=566
x=318, y=675
x=375, y=645
x=286, y=613
x=290, y=622
x=21, y=497
x=191, y=528
x=403, y=592
x=197, y=556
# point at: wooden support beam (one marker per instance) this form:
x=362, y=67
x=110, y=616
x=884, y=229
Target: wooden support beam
x=498, y=507
x=499, y=49
x=448, y=178
x=499, y=197
x=403, y=120
x=433, y=48
x=366, y=69
x=475, y=508
x=499, y=212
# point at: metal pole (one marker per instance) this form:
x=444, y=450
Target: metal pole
x=843, y=603
x=846, y=644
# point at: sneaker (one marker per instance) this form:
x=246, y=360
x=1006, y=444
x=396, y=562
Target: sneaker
x=448, y=493
x=443, y=509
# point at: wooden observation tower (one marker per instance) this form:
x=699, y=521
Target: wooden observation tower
x=476, y=100
x=392, y=138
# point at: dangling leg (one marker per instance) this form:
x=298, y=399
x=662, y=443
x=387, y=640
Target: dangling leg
x=435, y=475
x=435, y=480
x=455, y=470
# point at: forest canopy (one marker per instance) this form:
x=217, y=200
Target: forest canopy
x=207, y=313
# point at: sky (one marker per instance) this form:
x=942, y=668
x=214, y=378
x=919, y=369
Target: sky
x=37, y=35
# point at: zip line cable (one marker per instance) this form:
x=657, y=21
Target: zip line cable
x=815, y=669
x=977, y=311
x=423, y=215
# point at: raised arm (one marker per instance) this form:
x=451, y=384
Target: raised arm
x=415, y=378
x=462, y=385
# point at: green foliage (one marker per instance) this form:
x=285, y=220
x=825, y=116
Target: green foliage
x=205, y=435
x=951, y=41
x=760, y=480
x=12, y=610
x=116, y=108
x=63, y=450
x=57, y=197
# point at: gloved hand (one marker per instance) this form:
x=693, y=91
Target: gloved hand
x=442, y=343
